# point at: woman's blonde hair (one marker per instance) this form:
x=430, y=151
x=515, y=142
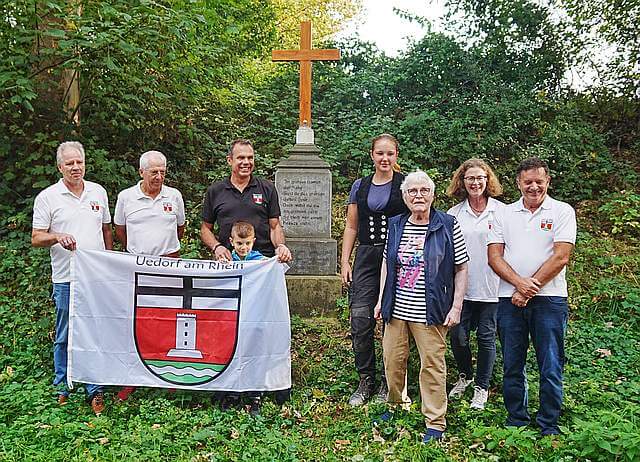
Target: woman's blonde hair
x=456, y=186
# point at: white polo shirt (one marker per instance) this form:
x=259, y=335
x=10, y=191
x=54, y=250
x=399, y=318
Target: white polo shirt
x=482, y=285
x=151, y=223
x=58, y=210
x=528, y=240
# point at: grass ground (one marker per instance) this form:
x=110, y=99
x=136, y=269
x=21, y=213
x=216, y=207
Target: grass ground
x=600, y=420
x=600, y=415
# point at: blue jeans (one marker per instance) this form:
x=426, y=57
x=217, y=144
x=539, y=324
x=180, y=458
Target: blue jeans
x=544, y=319
x=480, y=316
x=61, y=299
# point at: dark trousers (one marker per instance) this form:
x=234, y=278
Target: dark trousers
x=544, y=320
x=364, y=291
x=479, y=316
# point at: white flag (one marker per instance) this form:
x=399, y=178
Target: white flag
x=167, y=322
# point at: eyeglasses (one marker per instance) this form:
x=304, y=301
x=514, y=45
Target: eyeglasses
x=413, y=192
x=473, y=179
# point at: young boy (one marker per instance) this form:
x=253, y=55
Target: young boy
x=242, y=238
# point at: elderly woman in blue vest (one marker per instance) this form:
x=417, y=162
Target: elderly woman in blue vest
x=423, y=281
x=475, y=184
x=373, y=200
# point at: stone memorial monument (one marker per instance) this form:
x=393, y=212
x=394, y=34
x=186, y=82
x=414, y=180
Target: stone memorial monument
x=303, y=181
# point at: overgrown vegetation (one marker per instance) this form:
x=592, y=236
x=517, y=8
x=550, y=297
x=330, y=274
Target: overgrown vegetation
x=599, y=421
x=187, y=77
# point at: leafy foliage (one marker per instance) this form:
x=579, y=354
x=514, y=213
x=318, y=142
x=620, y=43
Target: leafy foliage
x=187, y=77
x=599, y=421
x=608, y=29
x=623, y=211
x=326, y=16
x=152, y=75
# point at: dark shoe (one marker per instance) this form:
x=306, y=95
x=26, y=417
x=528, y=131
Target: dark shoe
x=432, y=435
x=229, y=402
x=282, y=396
x=363, y=393
x=97, y=403
x=124, y=393
x=254, y=409
x=383, y=392
x=63, y=399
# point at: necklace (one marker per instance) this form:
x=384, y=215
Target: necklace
x=477, y=211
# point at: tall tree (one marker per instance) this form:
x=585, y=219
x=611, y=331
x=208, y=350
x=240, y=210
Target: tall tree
x=521, y=39
x=327, y=16
x=608, y=33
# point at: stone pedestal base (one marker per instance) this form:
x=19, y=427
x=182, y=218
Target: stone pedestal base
x=313, y=255
x=313, y=295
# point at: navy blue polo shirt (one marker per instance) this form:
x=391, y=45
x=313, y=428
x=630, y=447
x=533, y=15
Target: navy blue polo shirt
x=224, y=204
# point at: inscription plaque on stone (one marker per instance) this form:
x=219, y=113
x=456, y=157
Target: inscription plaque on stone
x=313, y=255
x=305, y=200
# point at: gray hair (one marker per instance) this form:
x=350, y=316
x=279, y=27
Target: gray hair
x=68, y=145
x=146, y=158
x=415, y=178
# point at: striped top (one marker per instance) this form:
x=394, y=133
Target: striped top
x=410, y=286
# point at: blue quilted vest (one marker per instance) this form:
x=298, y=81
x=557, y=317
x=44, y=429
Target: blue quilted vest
x=439, y=266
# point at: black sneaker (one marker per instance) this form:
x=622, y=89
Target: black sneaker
x=255, y=407
x=282, y=396
x=229, y=402
x=363, y=393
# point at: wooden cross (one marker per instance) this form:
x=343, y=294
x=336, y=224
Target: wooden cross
x=305, y=55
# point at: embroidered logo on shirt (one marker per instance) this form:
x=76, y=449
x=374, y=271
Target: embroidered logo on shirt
x=167, y=206
x=257, y=199
x=95, y=206
x=490, y=223
x=546, y=224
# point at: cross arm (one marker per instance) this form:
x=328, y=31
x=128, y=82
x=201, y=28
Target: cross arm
x=305, y=55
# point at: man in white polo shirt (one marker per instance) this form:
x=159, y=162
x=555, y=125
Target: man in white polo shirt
x=529, y=247
x=71, y=214
x=149, y=217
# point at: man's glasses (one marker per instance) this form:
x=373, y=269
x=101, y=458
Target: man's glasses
x=473, y=179
x=413, y=192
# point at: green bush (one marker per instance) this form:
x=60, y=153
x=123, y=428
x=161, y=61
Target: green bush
x=621, y=210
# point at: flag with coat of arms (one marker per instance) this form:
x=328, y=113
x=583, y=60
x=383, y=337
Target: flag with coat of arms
x=164, y=322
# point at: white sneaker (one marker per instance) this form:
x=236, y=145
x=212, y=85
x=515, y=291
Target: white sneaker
x=460, y=386
x=479, y=399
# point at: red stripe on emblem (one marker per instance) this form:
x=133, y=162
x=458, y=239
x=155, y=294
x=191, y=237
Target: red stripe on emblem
x=215, y=333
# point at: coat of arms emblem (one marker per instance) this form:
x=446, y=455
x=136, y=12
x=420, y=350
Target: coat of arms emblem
x=186, y=327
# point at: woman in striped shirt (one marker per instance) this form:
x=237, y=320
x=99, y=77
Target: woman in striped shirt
x=423, y=281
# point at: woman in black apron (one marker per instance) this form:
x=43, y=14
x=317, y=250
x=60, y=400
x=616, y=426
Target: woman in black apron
x=372, y=201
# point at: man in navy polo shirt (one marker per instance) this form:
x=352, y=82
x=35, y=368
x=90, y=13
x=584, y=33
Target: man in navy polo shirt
x=243, y=197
